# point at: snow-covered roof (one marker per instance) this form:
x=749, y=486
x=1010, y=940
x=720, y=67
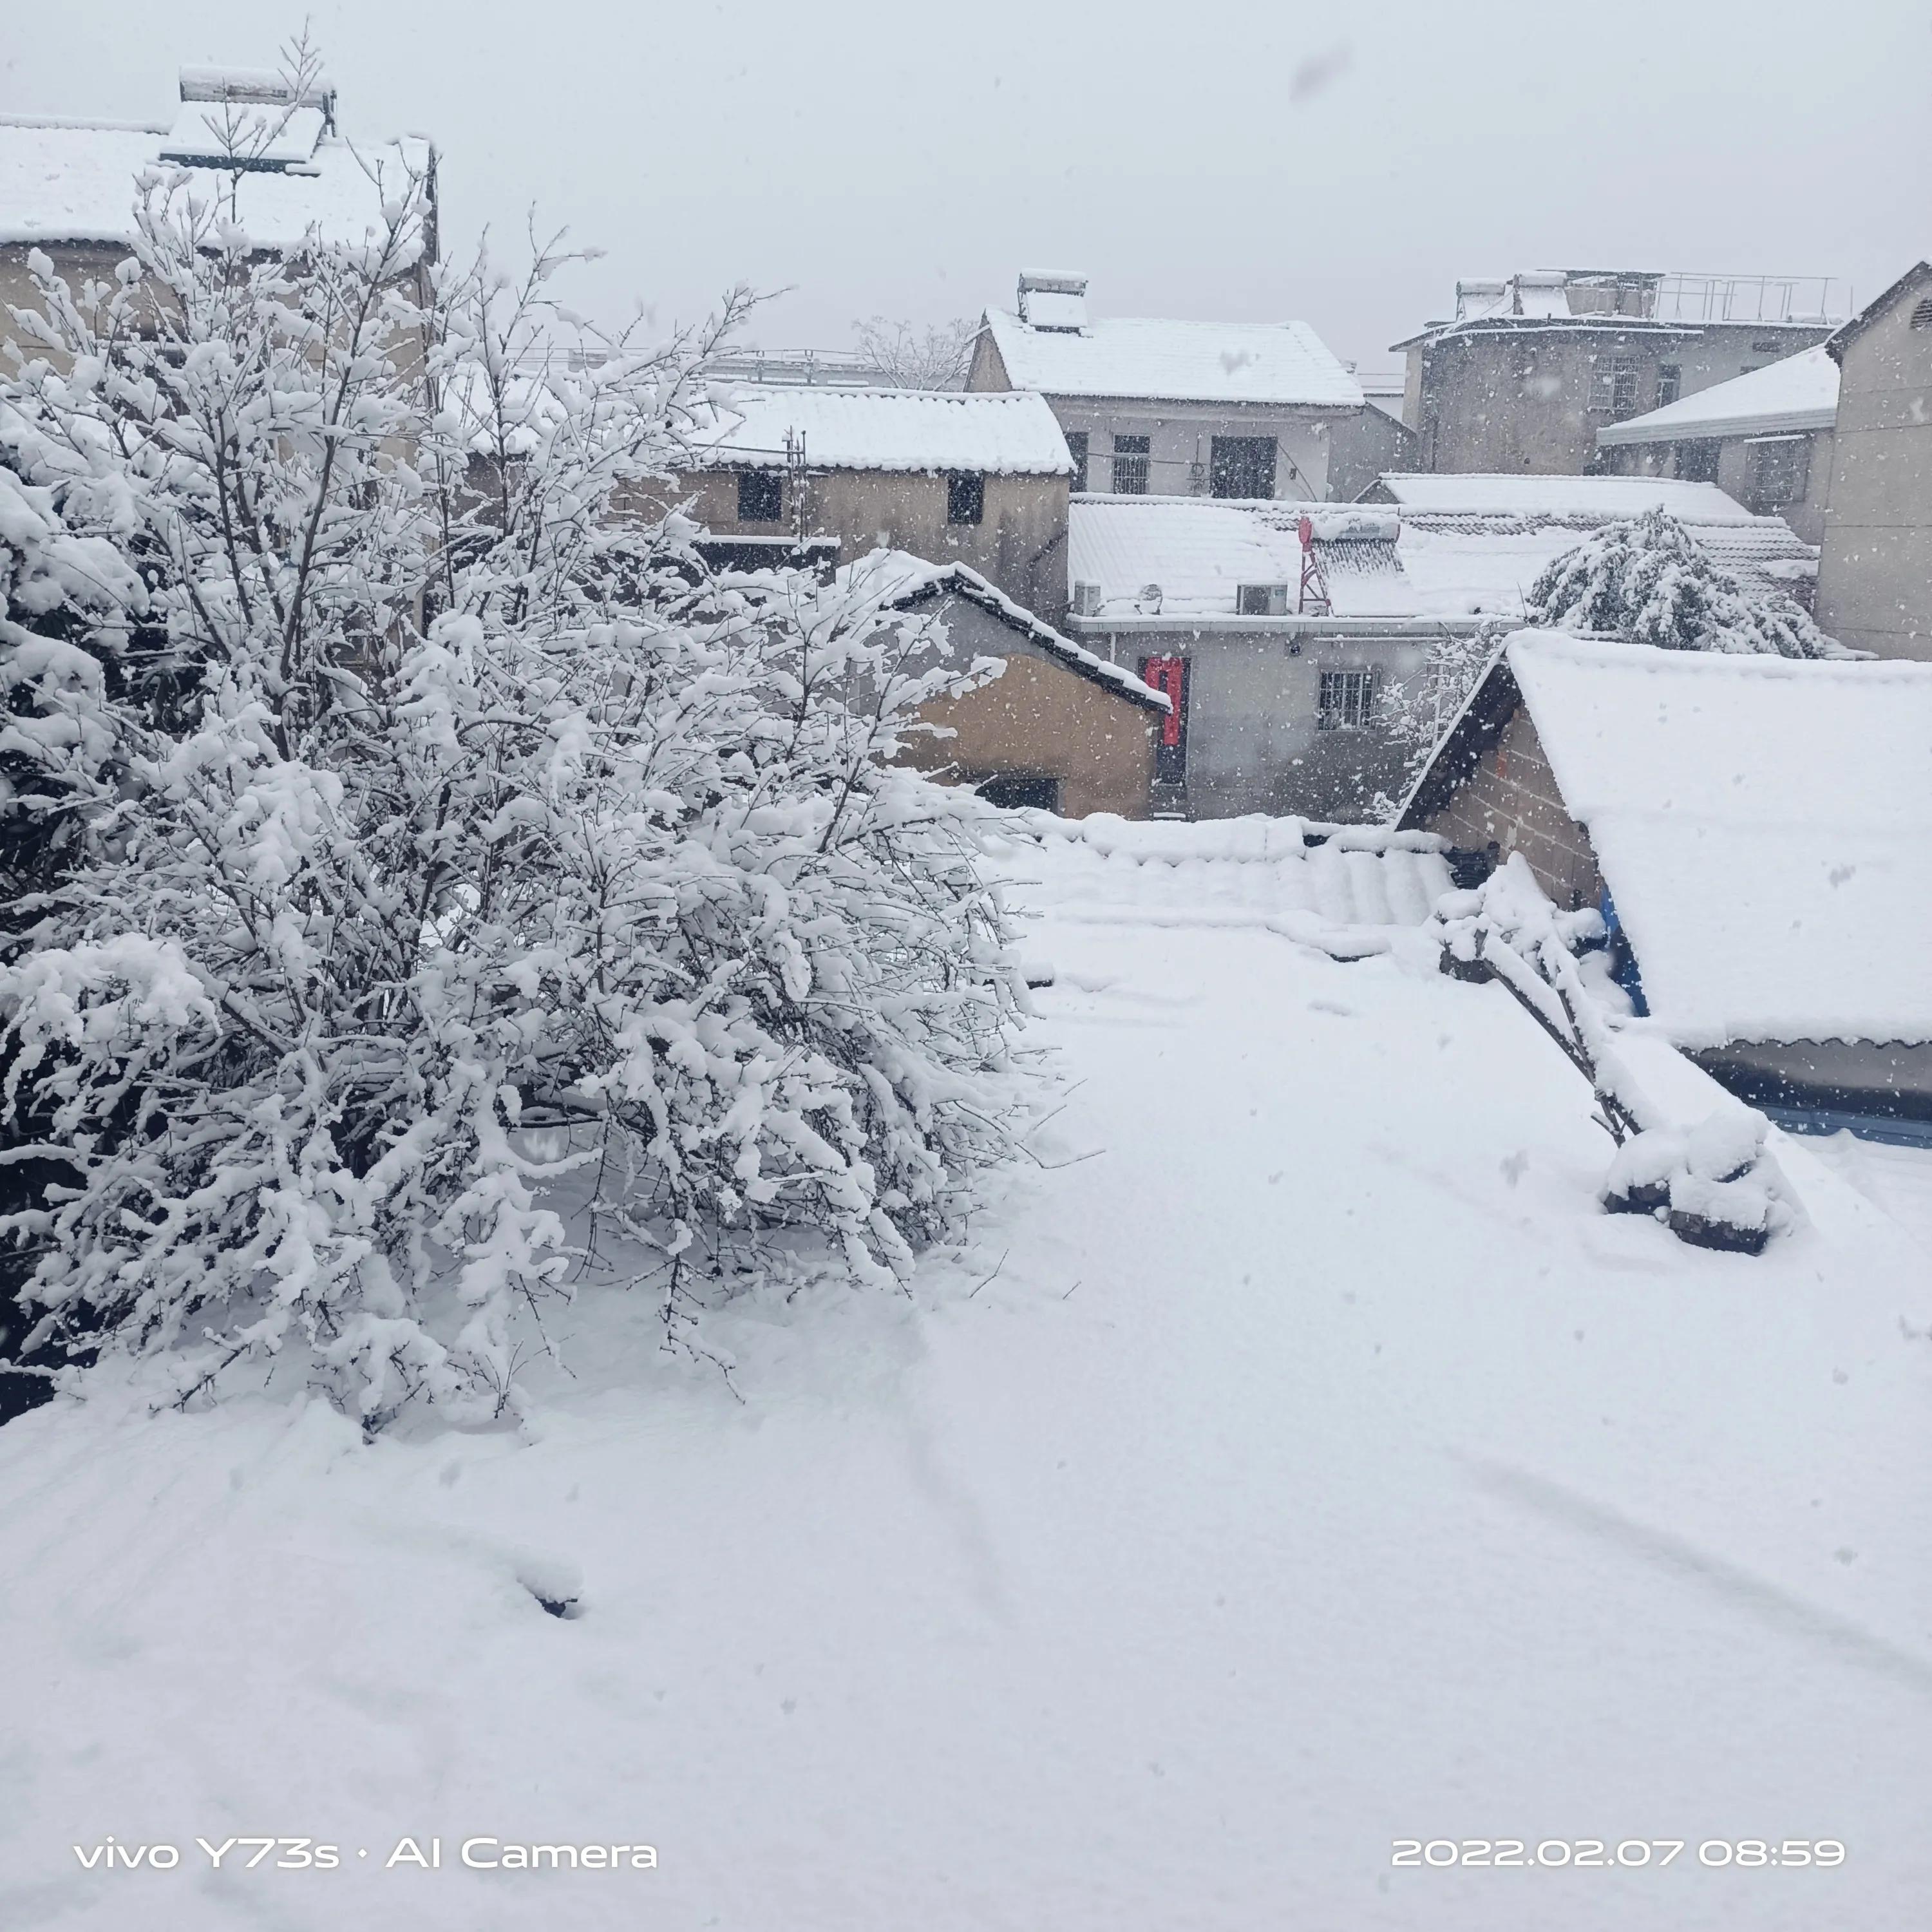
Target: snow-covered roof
x=72, y=181
x=1398, y=564
x=1283, y=363
x=1007, y=433
x=896, y=579
x=1764, y=826
x=1560, y=496
x=1795, y=393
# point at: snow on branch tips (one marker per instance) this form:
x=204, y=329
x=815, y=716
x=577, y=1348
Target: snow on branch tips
x=406, y=841
x=1648, y=582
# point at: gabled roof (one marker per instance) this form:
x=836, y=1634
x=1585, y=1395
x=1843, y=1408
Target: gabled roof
x=1796, y=393
x=1004, y=433
x=1764, y=825
x=1285, y=364
x=902, y=581
x=1422, y=567
x=1919, y=272
x=75, y=180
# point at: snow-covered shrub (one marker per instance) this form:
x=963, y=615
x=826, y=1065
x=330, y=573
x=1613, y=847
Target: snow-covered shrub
x=1649, y=582
x=476, y=839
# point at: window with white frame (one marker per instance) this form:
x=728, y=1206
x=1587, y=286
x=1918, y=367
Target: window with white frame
x=1347, y=699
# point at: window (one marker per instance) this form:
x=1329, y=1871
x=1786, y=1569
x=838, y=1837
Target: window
x=1614, y=392
x=1076, y=448
x=1261, y=600
x=1669, y=383
x=1131, y=465
x=1020, y=791
x=1347, y=698
x=1697, y=462
x=1921, y=315
x=1242, y=466
x=965, y=497
x=761, y=496
x=1778, y=468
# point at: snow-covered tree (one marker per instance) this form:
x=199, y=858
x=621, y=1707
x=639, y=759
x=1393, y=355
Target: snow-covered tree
x=1416, y=711
x=464, y=850
x=936, y=357
x=1649, y=582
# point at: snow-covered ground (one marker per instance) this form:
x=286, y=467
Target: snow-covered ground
x=1295, y=1462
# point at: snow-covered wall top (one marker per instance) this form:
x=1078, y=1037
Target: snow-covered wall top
x=1001, y=434
x=1283, y=363
x=1798, y=393
x=1430, y=566
x=1565, y=496
x=1764, y=824
x=75, y=181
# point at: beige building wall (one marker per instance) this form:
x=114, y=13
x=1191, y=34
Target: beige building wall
x=1512, y=800
x=76, y=262
x=1039, y=719
x=1019, y=544
x=1875, y=576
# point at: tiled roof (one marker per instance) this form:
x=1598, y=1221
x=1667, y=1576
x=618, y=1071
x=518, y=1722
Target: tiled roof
x=1455, y=566
x=845, y=428
x=75, y=181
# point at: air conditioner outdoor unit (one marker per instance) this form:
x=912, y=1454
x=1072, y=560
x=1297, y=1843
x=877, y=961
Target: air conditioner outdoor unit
x=1087, y=600
x=1261, y=600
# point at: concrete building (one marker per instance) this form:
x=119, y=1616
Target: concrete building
x=1528, y=370
x=1758, y=832
x=1875, y=575
x=1278, y=629
x=272, y=153
x=838, y=472
x=1059, y=729
x=1171, y=409
x=1765, y=439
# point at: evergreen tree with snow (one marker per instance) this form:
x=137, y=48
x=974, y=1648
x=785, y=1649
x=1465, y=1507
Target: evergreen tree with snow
x=1649, y=582
x=464, y=852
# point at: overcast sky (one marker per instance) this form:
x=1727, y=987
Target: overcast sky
x=1245, y=160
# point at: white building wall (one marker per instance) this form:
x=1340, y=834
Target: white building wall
x=1181, y=437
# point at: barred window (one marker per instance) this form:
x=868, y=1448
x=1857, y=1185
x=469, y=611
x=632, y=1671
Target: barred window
x=1613, y=393
x=1347, y=699
x=1076, y=448
x=1131, y=465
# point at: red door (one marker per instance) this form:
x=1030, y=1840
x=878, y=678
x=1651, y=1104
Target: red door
x=1170, y=759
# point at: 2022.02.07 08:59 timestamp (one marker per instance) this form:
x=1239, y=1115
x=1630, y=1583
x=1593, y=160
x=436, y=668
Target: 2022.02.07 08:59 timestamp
x=1602, y=1854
